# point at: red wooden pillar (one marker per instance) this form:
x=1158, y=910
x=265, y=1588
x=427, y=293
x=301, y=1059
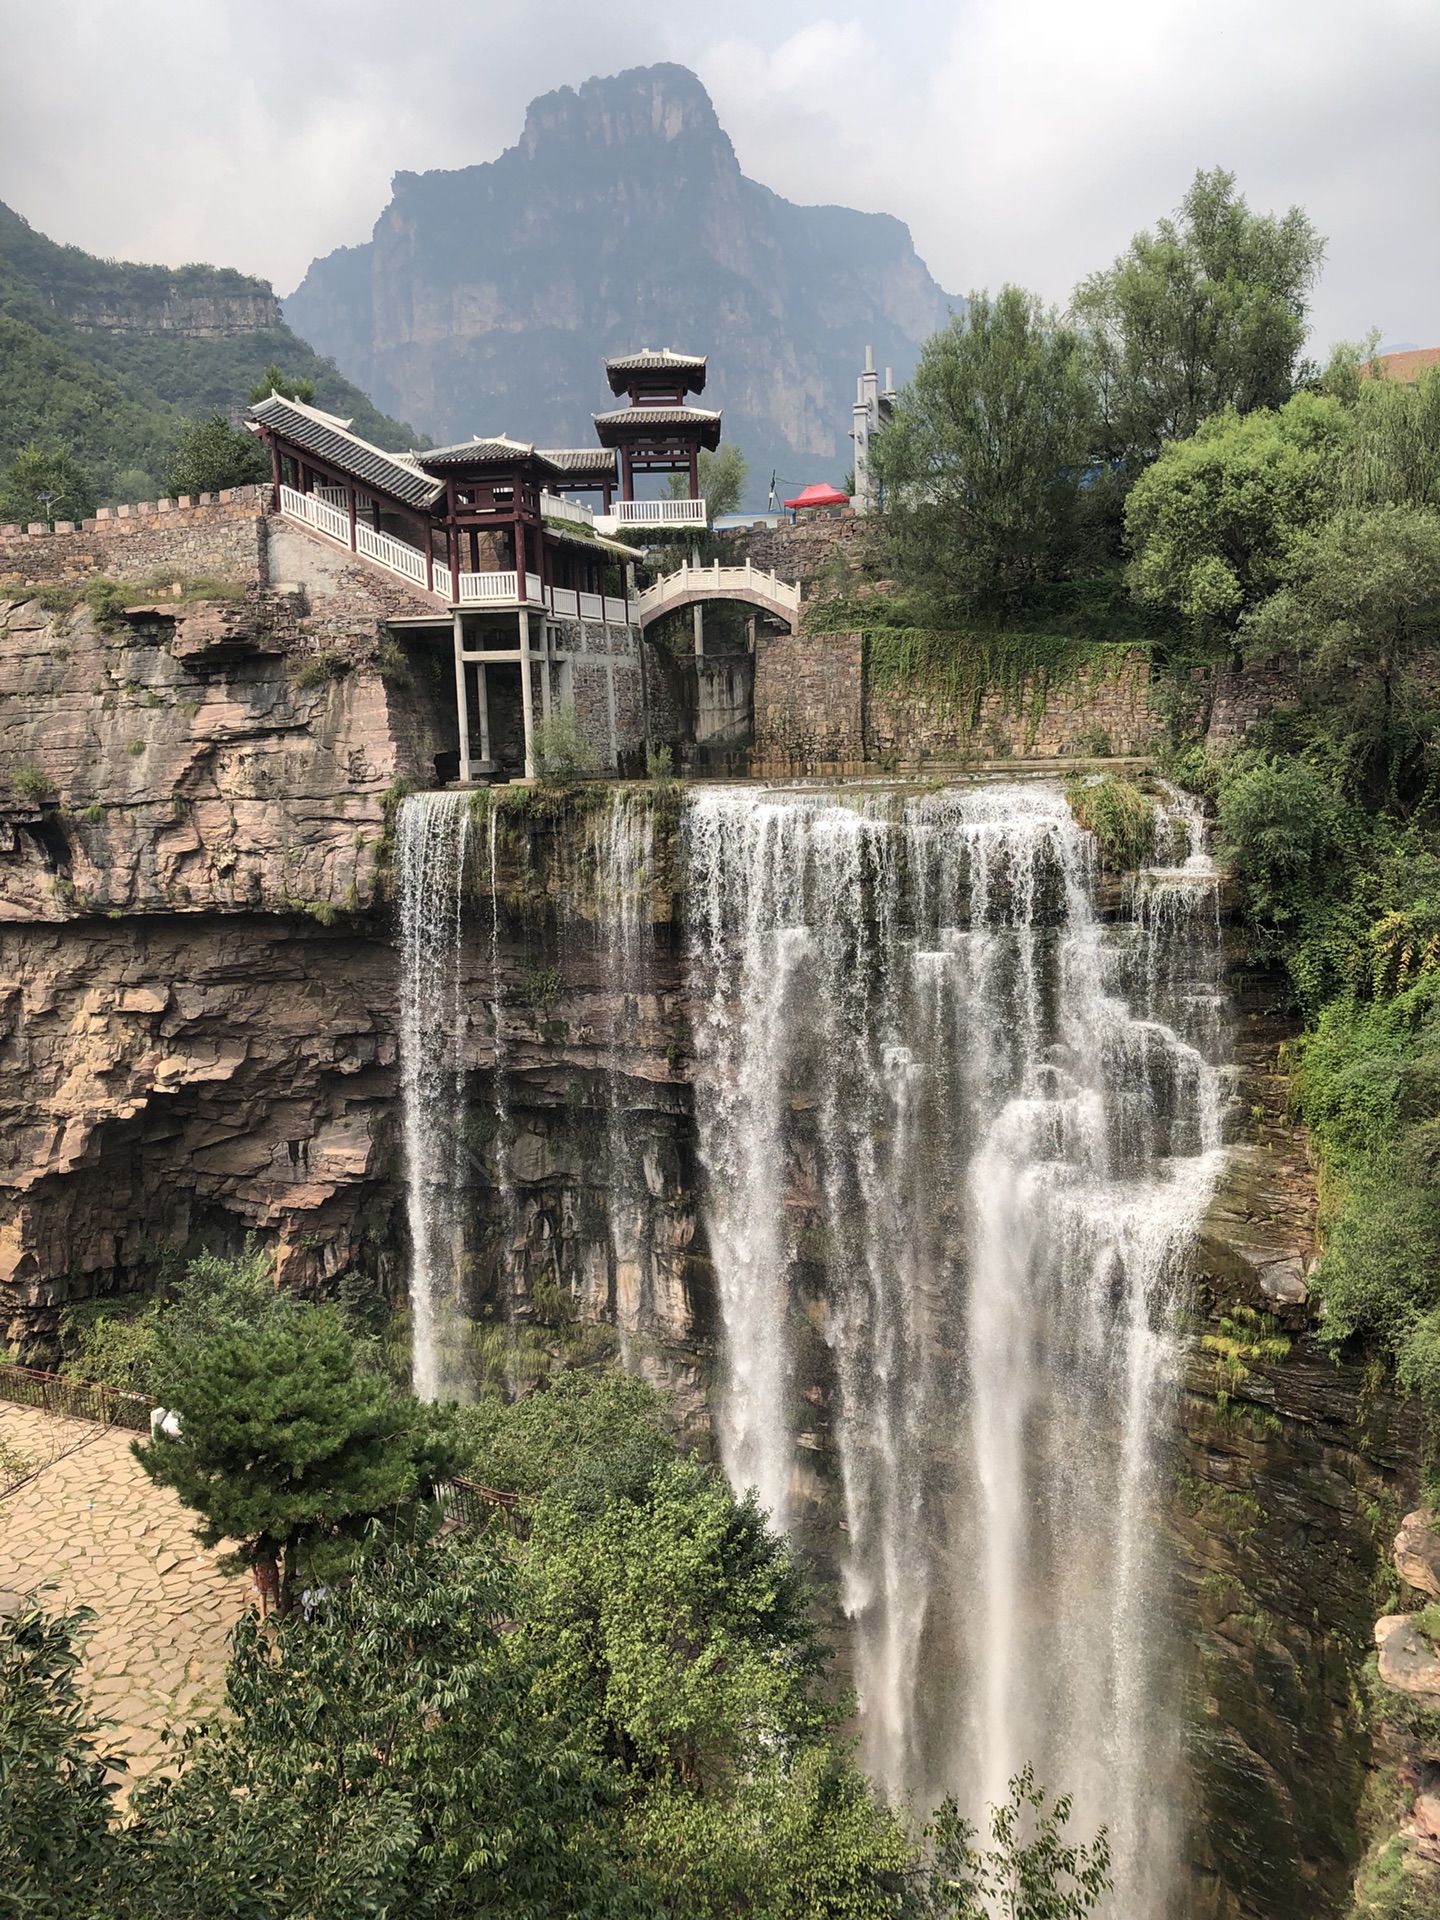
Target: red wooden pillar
x=274, y=471
x=350, y=503
x=627, y=477
x=429, y=556
x=694, y=473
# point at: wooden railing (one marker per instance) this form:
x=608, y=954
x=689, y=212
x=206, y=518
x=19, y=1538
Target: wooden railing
x=497, y=589
x=468, y=1504
x=75, y=1399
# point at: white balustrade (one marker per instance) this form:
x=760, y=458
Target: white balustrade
x=489, y=589
x=616, y=611
x=553, y=507
x=660, y=513
x=390, y=552
x=565, y=603
x=592, y=606
x=535, y=589
x=688, y=584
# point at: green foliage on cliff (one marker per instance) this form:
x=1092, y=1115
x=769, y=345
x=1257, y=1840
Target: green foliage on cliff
x=1008, y=458
x=982, y=461
x=1311, y=535
x=110, y=359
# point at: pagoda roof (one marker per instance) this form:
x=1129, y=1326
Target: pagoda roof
x=649, y=423
x=495, y=450
x=598, y=462
x=329, y=438
x=689, y=367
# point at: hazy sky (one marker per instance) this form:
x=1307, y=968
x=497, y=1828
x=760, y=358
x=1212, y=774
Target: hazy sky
x=1020, y=139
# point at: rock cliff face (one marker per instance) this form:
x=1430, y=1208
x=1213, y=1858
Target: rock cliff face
x=199, y=1008
x=488, y=296
x=197, y=988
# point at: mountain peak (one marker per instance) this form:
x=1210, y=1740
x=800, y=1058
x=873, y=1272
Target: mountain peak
x=491, y=294
x=639, y=107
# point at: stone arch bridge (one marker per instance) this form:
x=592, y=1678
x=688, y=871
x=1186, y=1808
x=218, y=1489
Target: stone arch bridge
x=691, y=586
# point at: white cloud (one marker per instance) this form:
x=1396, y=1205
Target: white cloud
x=1021, y=139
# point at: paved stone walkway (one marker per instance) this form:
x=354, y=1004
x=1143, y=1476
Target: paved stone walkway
x=112, y=1540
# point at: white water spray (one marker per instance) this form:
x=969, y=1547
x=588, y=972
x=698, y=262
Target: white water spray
x=956, y=1122
x=432, y=841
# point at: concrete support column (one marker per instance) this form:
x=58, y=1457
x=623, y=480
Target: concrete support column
x=527, y=694
x=462, y=698
x=698, y=617
x=482, y=711
x=545, y=671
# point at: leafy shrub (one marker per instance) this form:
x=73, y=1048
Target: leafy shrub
x=31, y=783
x=212, y=455
x=1280, y=827
x=560, y=750
x=1119, y=815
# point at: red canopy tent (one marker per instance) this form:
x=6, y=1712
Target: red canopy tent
x=819, y=495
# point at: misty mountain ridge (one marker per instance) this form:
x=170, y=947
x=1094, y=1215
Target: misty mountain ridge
x=489, y=295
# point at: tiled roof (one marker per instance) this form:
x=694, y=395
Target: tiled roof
x=653, y=360
x=630, y=423
x=478, y=452
x=331, y=440
x=599, y=461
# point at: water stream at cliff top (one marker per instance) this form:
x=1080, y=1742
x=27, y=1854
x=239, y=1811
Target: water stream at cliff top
x=957, y=1133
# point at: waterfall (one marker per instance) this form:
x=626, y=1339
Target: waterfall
x=431, y=844
x=956, y=1129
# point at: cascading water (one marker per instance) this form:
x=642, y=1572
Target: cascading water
x=958, y=1123
x=431, y=845
x=956, y=1128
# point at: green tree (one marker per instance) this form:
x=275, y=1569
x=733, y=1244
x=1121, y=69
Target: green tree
x=288, y=1448
x=212, y=454
x=983, y=460
x=1396, y=460
x=45, y=484
x=722, y=476
x=1360, y=606
x=674, y=1625
x=1212, y=522
x=386, y=1756
x=274, y=381
x=1042, y=1877
x=55, y=1798
x=1208, y=312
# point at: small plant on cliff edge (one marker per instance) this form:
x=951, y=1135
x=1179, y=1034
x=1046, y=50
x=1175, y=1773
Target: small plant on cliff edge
x=320, y=670
x=1244, y=1335
x=1120, y=816
x=560, y=750
x=31, y=784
